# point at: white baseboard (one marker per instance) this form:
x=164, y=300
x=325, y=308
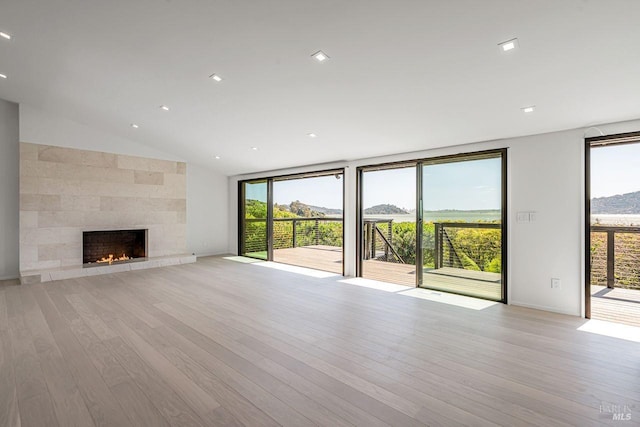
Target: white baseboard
x=543, y=308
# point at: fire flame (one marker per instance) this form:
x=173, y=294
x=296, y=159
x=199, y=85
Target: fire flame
x=110, y=259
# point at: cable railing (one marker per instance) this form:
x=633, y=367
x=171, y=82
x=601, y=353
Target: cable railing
x=615, y=256
x=378, y=241
x=467, y=246
x=292, y=233
x=307, y=231
x=255, y=236
x=478, y=250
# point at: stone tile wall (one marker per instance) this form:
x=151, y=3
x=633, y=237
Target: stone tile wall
x=65, y=191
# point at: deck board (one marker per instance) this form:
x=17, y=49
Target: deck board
x=319, y=257
x=329, y=258
x=616, y=305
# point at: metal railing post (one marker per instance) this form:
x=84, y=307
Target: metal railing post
x=293, y=239
x=611, y=258
x=367, y=235
x=373, y=240
x=437, y=256
x=317, y=233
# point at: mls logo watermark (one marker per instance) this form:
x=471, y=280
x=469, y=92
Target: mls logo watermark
x=615, y=412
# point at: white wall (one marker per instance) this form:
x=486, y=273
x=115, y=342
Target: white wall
x=9, y=173
x=41, y=127
x=545, y=175
x=207, y=198
x=207, y=212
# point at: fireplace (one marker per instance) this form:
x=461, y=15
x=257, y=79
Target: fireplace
x=113, y=246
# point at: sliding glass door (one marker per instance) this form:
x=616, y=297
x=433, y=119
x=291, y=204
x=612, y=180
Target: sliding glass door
x=613, y=228
x=436, y=223
x=307, y=221
x=388, y=238
x=462, y=225
x=254, y=224
x=294, y=219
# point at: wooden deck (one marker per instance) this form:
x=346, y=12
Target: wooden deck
x=480, y=284
x=615, y=305
x=329, y=258
x=319, y=257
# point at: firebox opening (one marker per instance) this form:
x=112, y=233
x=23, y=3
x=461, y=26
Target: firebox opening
x=113, y=247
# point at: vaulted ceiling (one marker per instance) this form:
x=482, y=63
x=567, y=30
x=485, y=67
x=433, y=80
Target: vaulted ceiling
x=402, y=75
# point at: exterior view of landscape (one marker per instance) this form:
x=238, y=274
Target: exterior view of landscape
x=461, y=227
x=478, y=249
x=615, y=216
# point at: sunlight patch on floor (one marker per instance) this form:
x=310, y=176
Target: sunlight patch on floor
x=374, y=284
x=610, y=329
x=242, y=259
x=451, y=299
x=298, y=270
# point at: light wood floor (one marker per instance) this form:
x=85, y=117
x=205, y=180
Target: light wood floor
x=225, y=343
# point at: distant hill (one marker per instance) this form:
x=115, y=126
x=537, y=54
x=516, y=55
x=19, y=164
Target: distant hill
x=617, y=205
x=302, y=209
x=384, y=210
x=326, y=211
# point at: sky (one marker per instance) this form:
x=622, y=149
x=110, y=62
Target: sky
x=324, y=191
x=469, y=185
x=615, y=170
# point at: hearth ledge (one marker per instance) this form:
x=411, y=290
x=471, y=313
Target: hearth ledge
x=72, y=272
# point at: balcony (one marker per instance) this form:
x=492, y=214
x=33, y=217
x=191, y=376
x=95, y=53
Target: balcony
x=615, y=274
x=388, y=253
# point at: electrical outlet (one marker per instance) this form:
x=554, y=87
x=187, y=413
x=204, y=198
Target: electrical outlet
x=555, y=283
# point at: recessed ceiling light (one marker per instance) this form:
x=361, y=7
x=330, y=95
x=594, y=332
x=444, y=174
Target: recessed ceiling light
x=135, y=126
x=164, y=107
x=215, y=77
x=311, y=135
x=217, y=157
x=529, y=109
x=254, y=148
x=320, y=56
x=509, y=45
x=3, y=76
x=5, y=35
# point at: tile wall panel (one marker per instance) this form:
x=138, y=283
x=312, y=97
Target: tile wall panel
x=65, y=191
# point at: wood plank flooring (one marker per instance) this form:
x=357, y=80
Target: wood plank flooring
x=231, y=344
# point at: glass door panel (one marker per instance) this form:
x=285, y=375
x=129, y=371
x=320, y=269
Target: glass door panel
x=307, y=221
x=613, y=239
x=462, y=225
x=389, y=224
x=254, y=220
